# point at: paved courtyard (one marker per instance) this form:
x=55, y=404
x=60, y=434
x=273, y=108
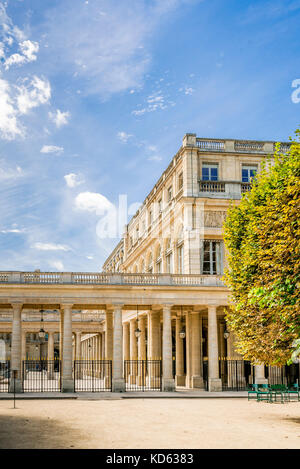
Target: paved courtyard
x=149, y=423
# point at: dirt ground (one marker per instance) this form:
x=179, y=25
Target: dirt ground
x=149, y=423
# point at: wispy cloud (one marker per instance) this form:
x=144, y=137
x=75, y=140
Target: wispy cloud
x=8, y=173
x=124, y=137
x=50, y=247
x=111, y=53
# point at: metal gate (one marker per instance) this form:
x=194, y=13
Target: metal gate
x=4, y=376
x=286, y=375
x=92, y=375
x=143, y=375
x=41, y=376
x=235, y=375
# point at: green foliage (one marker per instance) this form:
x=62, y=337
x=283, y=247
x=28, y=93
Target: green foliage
x=262, y=237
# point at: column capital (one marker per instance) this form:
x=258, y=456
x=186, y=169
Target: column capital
x=66, y=306
x=113, y=307
x=17, y=306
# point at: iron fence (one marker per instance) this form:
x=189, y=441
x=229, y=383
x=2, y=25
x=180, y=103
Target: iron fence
x=236, y=375
x=4, y=376
x=143, y=375
x=41, y=375
x=92, y=375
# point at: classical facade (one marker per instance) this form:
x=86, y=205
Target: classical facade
x=157, y=309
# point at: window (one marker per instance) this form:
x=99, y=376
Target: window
x=170, y=195
x=248, y=172
x=169, y=258
x=160, y=205
x=211, y=257
x=180, y=181
x=150, y=217
x=210, y=172
x=169, y=261
x=180, y=258
x=158, y=261
x=150, y=264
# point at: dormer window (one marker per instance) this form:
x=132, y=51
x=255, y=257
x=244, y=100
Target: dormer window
x=210, y=172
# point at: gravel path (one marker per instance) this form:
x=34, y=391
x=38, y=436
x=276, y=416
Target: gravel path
x=149, y=423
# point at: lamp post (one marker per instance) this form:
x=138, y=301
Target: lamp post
x=137, y=331
x=182, y=330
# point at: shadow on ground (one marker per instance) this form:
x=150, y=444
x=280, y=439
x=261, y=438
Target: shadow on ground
x=33, y=433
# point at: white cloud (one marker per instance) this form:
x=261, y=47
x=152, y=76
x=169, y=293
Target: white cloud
x=73, y=180
x=6, y=172
x=9, y=125
x=93, y=202
x=29, y=50
x=37, y=92
x=50, y=247
x=124, y=137
x=58, y=265
x=59, y=118
x=52, y=149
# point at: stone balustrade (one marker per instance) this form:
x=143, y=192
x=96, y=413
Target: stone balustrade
x=108, y=279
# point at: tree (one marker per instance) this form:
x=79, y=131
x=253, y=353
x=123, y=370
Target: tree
x=262, y=237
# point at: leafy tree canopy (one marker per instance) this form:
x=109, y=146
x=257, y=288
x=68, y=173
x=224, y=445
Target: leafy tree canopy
x=262, y=237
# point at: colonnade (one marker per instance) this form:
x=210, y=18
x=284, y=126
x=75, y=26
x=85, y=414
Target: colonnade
x=117, y=341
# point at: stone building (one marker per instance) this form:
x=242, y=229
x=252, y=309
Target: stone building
x=156, y=312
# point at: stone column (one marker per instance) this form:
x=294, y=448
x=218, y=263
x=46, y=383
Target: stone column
x=179, y=378
x=133, y=352
x=142, y=352
x=67, y=377
x=260, y=374
x=126, y=341
x=197, y=378
x=214, y=381
x=154, y=348
x=61, y=336
x=168, y=382
x=16, y=348
x=50, y=355
x=188, y=349
x=109, y=335
x=118, y=383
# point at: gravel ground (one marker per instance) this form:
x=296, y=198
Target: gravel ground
x=149, y=423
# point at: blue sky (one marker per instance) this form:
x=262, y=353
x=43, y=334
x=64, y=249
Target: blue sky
x=96, y=95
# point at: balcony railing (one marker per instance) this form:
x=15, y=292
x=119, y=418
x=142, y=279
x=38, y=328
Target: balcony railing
x=213, y=145
x=82, y=278
x=210, y=186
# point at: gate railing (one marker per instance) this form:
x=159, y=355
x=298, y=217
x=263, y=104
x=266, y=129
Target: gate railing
x=143, y=375
x=4, y=375
x=92, y=375
x=41, y=375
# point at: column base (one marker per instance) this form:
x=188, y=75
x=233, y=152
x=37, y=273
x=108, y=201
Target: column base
x=214, y=384
x=180, y=380
x=18, y=386
x=168, y=384
x=67, y=385
x=118, y=385
x=197, y=382
x=261, y=381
